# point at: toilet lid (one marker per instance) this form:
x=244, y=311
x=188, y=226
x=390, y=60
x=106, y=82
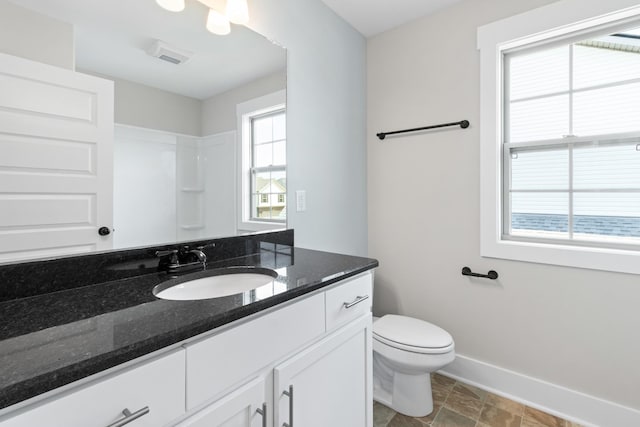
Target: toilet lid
x=412, y=332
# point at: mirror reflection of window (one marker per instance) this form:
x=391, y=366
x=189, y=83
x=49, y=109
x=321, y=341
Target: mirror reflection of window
x=268, y=166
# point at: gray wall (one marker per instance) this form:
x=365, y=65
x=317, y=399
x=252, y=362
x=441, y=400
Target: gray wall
x=572, y=327
x=148, y=107
x=325, y=123
x=144, y=106
x=219, y=112
x=35, y=36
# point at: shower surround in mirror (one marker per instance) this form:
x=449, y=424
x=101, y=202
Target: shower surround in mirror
x=170, y=187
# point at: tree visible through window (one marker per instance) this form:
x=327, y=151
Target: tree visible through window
x=572, y=142
x=268, y=167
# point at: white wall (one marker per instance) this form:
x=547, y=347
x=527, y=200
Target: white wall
x=34, y=36
x=219, y=112
x=325, y=121
x=575, y=328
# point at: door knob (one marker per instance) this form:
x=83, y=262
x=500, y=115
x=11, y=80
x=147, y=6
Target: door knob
x=104, y=231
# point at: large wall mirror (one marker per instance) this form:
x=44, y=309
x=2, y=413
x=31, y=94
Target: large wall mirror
x=199, y=138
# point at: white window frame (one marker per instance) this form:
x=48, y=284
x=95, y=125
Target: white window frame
x=245, y=111
x=566, y=18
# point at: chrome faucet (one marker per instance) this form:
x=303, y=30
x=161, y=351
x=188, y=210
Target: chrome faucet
x=185, y=258
x=202, y=257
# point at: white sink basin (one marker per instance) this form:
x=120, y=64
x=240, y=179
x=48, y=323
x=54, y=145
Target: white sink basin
x=215, y=283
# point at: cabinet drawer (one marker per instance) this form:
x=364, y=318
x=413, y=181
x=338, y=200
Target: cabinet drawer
x=158, y=385
x=216, y=363
x=348, y=301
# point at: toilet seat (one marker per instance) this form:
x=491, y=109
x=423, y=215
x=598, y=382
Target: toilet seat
x=414, y=335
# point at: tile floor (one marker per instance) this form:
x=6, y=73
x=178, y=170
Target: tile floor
x=456, y=404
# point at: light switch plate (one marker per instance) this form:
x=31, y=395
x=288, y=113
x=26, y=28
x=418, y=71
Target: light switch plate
x=301, y=200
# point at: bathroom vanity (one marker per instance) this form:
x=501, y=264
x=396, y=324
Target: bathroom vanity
x=297, y=353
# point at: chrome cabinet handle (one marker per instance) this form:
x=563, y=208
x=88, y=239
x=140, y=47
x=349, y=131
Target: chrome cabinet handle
x=263, y=412
x=358, y=300
x=129, y=416
x=290, y=394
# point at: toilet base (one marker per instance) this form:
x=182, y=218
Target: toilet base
x=406, y=394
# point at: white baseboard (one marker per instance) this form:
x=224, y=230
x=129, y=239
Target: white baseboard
x=557, y=400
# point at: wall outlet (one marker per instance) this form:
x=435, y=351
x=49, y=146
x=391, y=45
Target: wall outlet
x=301, y=200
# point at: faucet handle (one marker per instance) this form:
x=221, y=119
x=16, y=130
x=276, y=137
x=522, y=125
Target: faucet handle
x=172, y=255
x=167, y=252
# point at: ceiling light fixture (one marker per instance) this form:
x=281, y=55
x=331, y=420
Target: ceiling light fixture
x=218, y=22
x=238, y=11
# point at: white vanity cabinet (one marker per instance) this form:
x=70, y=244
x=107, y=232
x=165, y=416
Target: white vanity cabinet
x=306, y=363
x=313, y=359
x=218, y=363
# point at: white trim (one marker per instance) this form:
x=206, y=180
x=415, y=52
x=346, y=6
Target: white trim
x=273, y=101
x=563, y=402
x=563, y=18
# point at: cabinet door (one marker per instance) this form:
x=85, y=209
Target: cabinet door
x=244, y=407
x=329, y=384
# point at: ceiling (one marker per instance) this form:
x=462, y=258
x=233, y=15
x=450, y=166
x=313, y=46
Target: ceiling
x=111, y=38
x=371, y=17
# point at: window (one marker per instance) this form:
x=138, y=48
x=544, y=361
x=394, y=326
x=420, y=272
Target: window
x=572, y=165
x=268, y=163
x=560, y=137
x=262, y=163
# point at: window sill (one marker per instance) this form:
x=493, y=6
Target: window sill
x=615, y=260
x=252, y=226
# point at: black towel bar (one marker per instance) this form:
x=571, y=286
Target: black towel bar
x=492, y=274
x=463, y=124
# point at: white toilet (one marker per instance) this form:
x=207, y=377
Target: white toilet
x=405, y=352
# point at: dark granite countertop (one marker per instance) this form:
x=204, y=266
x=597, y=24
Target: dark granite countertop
x=49, y=340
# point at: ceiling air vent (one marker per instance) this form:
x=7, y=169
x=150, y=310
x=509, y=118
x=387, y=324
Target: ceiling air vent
x=166, y=52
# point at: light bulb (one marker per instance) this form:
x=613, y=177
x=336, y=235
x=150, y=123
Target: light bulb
x=217, y=23
x=238, y=11
x=171, y=5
